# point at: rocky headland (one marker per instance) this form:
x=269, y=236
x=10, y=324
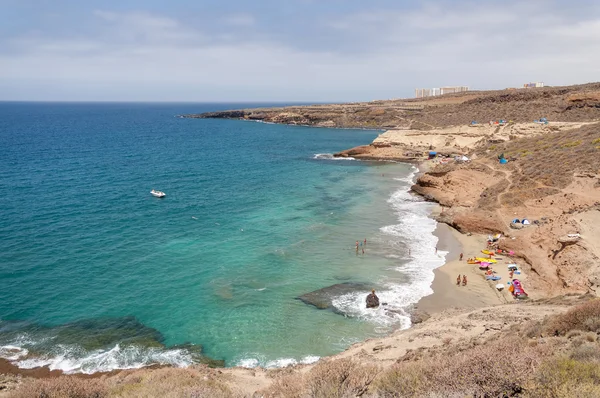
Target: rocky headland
x=477, y=342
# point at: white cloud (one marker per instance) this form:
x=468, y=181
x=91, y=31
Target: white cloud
x=242, y=20
x=377, y=54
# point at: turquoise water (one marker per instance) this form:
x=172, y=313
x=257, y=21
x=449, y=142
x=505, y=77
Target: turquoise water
x=97, y=274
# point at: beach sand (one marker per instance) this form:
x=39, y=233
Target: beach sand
x=479, y=292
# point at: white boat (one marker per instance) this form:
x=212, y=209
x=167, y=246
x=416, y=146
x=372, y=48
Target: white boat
x=158, y=194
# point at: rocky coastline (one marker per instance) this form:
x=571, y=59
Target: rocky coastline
x=551, y=178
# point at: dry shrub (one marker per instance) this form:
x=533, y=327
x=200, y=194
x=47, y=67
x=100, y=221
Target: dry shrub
x=562, y=377
x=286, y=386
x=573, y=333
x=62, y=387
x=494, y=369
x=170, y=383
x=341, y=378
x=591, y=337
x=586, y=353
x=592, y=324
x=578, y=341
x=404, y=380
x=533, y=329
x=328, y=379
x=576, y=318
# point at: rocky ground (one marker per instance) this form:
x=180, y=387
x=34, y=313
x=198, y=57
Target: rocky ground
x=552, y=180
x=566, y=104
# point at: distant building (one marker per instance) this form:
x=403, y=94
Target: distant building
x=533, y=85
x=433, y=92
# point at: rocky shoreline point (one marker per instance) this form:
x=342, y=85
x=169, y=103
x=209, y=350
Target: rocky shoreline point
x=546, y=346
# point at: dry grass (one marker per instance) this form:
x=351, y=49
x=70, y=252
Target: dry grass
x=563, y=377
x=497, y=368
x=328, y=379
x=62, y=387
x=164, y=383
x=553, y=158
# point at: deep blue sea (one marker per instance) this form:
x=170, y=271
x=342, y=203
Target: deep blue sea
x=97, y=274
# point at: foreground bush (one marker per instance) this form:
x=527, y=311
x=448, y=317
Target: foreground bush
x=583, y=317
x=62, y=387
x=498, y=368
x=164, y=383
x=562, y=377
x=328, y=379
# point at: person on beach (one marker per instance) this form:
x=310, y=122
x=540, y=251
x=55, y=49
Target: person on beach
x=365, y=241
x=357, y=246
x=458, y=280
x=372, y=300
x=464, y=280
x=363, y=250
x=461, y=256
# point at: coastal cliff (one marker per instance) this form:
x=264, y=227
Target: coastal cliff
x=545, y=347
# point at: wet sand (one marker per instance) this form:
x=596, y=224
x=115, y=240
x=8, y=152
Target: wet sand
x=446, y=293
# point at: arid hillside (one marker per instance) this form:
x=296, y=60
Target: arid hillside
x=571, y=103
x=551, y=179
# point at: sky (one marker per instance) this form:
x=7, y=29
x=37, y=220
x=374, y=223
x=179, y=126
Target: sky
x=289, y=50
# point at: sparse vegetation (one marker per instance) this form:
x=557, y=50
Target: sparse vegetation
x=585, y=317
x=571, y=144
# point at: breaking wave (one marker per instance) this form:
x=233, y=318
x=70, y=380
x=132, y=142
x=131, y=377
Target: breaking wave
x=415, y=229
x=329, y=156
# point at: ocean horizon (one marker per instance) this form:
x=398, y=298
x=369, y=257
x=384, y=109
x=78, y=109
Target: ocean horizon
x=100, y=275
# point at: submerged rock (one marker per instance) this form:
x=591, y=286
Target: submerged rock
x=196, y=351
x=323, y=298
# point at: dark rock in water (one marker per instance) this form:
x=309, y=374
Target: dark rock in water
x=418, y=316
x=322, y=298
x=195, y=351
x=372, y=300
x=99, y=333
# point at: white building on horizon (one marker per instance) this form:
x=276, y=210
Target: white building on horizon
x=433, y=92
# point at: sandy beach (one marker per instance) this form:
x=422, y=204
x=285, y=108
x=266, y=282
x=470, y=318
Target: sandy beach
x=479, y=292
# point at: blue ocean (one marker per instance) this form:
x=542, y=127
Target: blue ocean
x=249, y=260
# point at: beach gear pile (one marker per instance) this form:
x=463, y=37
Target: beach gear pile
x=490, y=259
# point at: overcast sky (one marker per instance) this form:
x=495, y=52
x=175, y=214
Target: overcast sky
x=289, y=50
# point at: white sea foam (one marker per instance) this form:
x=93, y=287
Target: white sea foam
x=12, y=352
x=329, y=156
x=258, y=360
x=70, y=360
x=415, y=228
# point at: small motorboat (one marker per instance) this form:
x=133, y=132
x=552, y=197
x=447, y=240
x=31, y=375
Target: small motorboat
x=158, y=194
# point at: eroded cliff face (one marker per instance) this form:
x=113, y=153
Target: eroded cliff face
x=553, y=181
